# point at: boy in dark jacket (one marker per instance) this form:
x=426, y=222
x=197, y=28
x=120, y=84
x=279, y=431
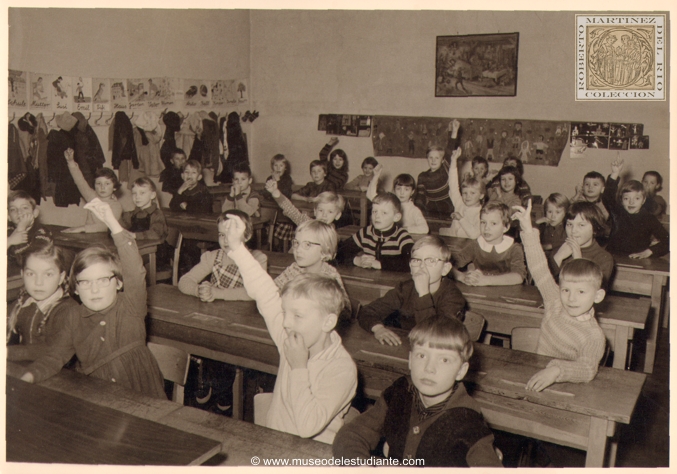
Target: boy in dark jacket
x=193, y=195
x=428, y=293
x=428, y=415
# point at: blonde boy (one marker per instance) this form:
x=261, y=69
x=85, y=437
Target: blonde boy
x=497, y=258
x=467, y=202
x=569, y=331
x=317, y=378
x=328, y=205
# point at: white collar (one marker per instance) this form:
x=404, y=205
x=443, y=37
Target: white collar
x=586, y=316
x=42, y=305
x=505, y=244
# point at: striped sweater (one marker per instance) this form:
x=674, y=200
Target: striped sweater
x=391, y=247
x=576, y=343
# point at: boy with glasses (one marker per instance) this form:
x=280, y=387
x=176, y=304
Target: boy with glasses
x=428, y=293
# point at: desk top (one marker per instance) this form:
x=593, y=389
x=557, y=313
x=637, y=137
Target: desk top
x=83, y=240
x=181, y=217
x=655, y=266
x=47, y=426
x=615, y=310
x=238, y=440
x=612, y=395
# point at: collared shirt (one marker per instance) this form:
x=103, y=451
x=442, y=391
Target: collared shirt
x=501, y=247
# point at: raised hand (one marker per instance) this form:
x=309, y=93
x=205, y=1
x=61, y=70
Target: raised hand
x=523, y=216
x=617, y=166
x=69, y=154
x=235, y=230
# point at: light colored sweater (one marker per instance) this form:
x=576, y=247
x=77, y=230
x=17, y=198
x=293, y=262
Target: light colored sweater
x=190, y=282
x=576, y=343
x=468, y=226
x=93, y=224
x=307, y=402
x=412, y=219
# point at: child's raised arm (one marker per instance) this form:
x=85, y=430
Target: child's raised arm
x=288, y=208
x=83, y=186
x=454, y=191
x=372, y=189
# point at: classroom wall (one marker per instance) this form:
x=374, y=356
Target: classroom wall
x=306, y=63
x=127, y=43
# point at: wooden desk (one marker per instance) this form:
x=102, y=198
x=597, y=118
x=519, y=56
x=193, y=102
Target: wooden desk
x=508, y=307
x=504, y=307
x=362, y=284
x=238, y=441
x=581, y=416
x=647, y=277
x=82, y=241
x=47, y=426
x=350, y=194
x=577, y=415
x=203, y=226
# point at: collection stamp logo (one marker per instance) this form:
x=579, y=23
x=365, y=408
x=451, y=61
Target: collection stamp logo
x=620, y=57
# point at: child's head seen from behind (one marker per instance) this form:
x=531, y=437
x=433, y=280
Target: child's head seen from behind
x=593, y=186
x=318, y=171
x=314, y=243
x=44, y=270
x=435, y=155
x=144, y=192
x=404, y=187
x=386, y=211
x=556, y=207
x=439, y=357
x=21, y=205
x=632, y=196
x=580, y=286
x=584, y=223
x=221, y=226
x=328, y=207
x=311, y=304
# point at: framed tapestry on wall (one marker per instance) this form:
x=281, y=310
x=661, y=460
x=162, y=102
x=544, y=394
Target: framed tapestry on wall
x=476, y=65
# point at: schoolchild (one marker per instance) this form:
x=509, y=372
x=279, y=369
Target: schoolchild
x=655, y=204
x=146, y=221
x=433, y=185
x=467, y=203
x=318, y=185
x=361, y=182
x=170, y=177
x=241, y=195
x=23, y=229
x=552, y=226
x=337, y=164
x=193, y=195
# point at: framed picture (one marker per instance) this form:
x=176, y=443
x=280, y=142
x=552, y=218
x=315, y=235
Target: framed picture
x=476, y=65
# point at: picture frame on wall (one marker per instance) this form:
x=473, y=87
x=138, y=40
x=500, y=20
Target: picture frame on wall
x=476, y=65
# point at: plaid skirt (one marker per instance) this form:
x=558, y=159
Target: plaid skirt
x=284, y=231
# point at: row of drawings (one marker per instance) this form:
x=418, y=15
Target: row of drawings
x=612, y=136
x=36, y=91
x=536, y=142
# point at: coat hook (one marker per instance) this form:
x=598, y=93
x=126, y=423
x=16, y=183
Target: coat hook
x=53, y=117
x=13, y=117
x=130, y=118
x=109, y=119
x=90, y=116
x=96, y=122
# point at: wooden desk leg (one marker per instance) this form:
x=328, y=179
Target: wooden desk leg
x=363, y=211
x=621, y=347
x=656, y=293
x=666, y=303
x=152, y=268
x=238, y=394
x=596, y=442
